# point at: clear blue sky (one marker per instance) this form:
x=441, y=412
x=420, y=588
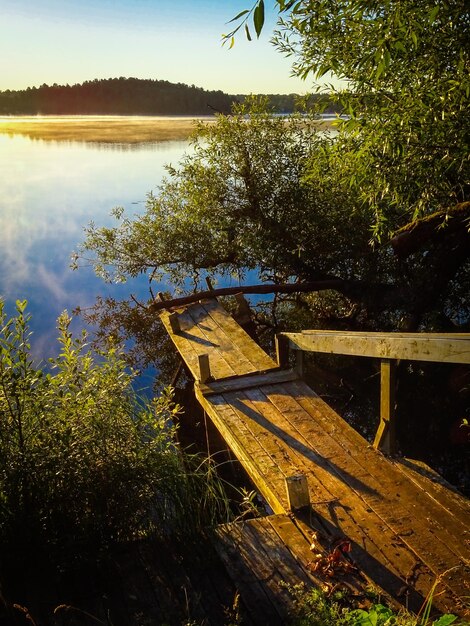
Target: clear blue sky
x=69, y=41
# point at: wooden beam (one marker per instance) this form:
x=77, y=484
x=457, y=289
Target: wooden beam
x=282, y=350
x=385, y=438
x=299, y=362
x=204, y=368
x=445, y=348
x=248, y=381
x=174, y=322
x=297, y=492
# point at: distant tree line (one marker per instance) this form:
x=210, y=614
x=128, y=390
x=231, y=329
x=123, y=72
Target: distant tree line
x=115, y=96
x=128, y=96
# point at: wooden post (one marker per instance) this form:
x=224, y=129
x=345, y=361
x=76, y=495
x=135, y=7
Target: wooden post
x=385, y=438
x=243, y=306
x=204, y=368
x=297, y=491
x=299, y=362
x=174, y=322
x=282, y=350
x=209, y=284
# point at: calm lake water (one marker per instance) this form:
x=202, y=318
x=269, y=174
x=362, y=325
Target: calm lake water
x=49, y=191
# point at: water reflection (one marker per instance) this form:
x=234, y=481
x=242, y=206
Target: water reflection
x=49, y=191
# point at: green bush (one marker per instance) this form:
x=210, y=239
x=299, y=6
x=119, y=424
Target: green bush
x=83, y=462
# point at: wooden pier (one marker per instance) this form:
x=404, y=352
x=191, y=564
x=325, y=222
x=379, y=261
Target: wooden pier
x=397, y=524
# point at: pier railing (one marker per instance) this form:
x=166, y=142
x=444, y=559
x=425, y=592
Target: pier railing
x=389, y=348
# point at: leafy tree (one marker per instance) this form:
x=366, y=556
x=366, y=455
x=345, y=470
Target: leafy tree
x=406, y=70
x=270, y=194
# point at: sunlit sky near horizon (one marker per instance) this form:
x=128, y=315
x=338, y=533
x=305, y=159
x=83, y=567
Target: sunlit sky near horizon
x=68, y=41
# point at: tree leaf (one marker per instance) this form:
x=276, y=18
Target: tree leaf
x=445, y=620
x=237, y=17
x=433, y=14
x=247, y=31
x=258, y=17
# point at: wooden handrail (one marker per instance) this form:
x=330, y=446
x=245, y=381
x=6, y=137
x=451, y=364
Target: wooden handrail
x=390, y=348
x=439, y=347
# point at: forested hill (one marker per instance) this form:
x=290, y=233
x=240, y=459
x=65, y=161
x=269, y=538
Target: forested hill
x=130, y=96
x=115, y=96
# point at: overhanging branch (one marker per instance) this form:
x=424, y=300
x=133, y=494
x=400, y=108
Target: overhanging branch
x=321, y=285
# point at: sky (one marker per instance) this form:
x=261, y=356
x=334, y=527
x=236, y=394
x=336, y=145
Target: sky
x=70, y=41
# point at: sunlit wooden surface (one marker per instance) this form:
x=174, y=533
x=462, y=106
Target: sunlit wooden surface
x=405, y=525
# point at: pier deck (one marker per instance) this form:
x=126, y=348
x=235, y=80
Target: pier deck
x=405, y=526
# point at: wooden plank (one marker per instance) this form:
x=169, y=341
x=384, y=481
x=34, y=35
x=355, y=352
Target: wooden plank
x=412, y=346
x=251, y=350
x=261, y=466
x=247, y=381
x=278, y=565
x=185, y=347
x=226, y=348
x=246, y=570
x=379, y=478
x=454, y=516
x=443, y=493
x=379, y=473
x=376, y=548
x=433, y=535
x=191, y=341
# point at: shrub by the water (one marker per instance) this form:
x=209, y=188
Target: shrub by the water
x=83, y=462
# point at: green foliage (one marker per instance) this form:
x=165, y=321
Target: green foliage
x=315, y=608
x=82, y=462
x=239, y=201
x=279, y=197
x=405, y=67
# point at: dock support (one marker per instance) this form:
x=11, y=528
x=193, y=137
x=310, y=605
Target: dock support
x=385, y=438
x=204, y=368
x=299, y=362
x=297, y=492
x=282, y=350
x=174, y=322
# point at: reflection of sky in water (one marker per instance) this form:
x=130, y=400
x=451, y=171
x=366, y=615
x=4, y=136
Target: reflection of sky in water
x=48, y=192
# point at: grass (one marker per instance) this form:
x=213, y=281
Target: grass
x=315, y=608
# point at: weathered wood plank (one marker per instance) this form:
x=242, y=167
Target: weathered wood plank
x=412, y=346
x=246, y=569
x=385, y=438
x=350, y=437
x=226, y=348
x=192, y=341
x=260, y=465
x=376, y=547
x=251, y=350
x=378, y=472
x=438, y=538
x=445, y=495
x=247, y=381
